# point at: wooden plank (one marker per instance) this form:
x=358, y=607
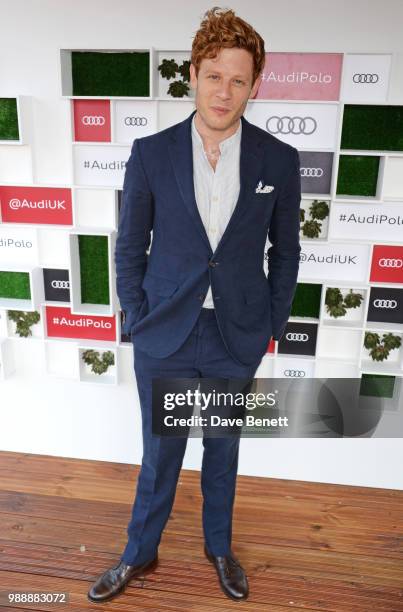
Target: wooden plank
x=134, y=597
x=271, y=532
x=64, y=470
x=307, y=546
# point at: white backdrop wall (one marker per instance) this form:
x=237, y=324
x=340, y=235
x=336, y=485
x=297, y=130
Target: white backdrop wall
x=43, y=415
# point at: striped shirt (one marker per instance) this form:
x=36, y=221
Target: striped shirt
x=216, y=191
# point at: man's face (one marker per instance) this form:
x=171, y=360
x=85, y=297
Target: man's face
x=224, y=82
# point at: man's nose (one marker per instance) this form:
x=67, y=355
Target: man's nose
x=224, y=91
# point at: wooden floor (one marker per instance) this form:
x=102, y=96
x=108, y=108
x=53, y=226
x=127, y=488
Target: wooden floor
x=303, y=546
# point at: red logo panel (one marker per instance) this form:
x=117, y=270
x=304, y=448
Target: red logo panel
x=61, y=323
x=47, y=205
x=92, y=120
x=387, y=264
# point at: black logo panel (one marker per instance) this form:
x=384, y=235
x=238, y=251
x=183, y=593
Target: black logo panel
x=385, y=305
x=57, y=285
x=299, y=339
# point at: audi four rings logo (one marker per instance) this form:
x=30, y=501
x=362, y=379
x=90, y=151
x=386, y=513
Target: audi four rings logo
x=365, y=78
x=93, y=120
x=294, y=373
x=385, y=304
x=390, y=263
x=136, y=121
x=315, y=172
x=58, y=284
x=291, y=125
x=297, y=337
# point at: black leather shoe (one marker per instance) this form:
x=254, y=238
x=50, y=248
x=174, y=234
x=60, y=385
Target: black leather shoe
x=115, y=579
x=231, y=575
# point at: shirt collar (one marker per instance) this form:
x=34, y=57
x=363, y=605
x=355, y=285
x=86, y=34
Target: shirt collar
x=225, y=144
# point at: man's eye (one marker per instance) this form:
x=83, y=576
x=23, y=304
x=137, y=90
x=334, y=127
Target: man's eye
x=215, y=76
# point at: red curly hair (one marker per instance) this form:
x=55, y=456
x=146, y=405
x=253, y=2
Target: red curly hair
x=222, y=28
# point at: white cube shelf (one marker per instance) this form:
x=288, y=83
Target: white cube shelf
x=306, y=203
x=330, y=368
x=25, y=121
x=343, y=344
x=53, y=247
x=37, y=332
x=393, y=365
x=61, y=358
x=393, y=178
x=376, y=197
x=170, y=112
x=66, y=76
x=100, y=164
x=353, y=318
x=77, y=306
x=36, y=289
x=131, y=119
x=321, y=127
x=87, y=375
x=301, y=366
x=366, y=77
x=96, y=208
x=160, y=84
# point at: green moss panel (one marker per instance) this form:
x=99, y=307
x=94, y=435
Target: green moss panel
x=94, y=269
x=15, y=285
x=358, y=175
x=377, y=385
x=372, y=127
x=306, y=302
x=110, y=74
x=8, y=119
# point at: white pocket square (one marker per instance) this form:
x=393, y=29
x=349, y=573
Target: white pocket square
x=265, y=189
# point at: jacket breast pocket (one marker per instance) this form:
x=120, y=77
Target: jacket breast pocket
x=262, y=205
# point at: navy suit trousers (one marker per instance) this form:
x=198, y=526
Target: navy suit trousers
x=203, y=354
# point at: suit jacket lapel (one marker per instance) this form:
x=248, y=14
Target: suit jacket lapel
x=251, y=161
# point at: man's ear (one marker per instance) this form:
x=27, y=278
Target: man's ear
x=193, y=78
x=255, y=86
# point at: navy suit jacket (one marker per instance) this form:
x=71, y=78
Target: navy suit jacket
x=161, y=288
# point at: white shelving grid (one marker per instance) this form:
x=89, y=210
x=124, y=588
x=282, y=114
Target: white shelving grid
x=338, y=349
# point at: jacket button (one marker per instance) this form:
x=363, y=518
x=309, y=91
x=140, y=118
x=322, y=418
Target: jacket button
x=212, y=264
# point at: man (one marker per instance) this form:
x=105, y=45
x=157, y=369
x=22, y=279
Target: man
x=199, y=304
